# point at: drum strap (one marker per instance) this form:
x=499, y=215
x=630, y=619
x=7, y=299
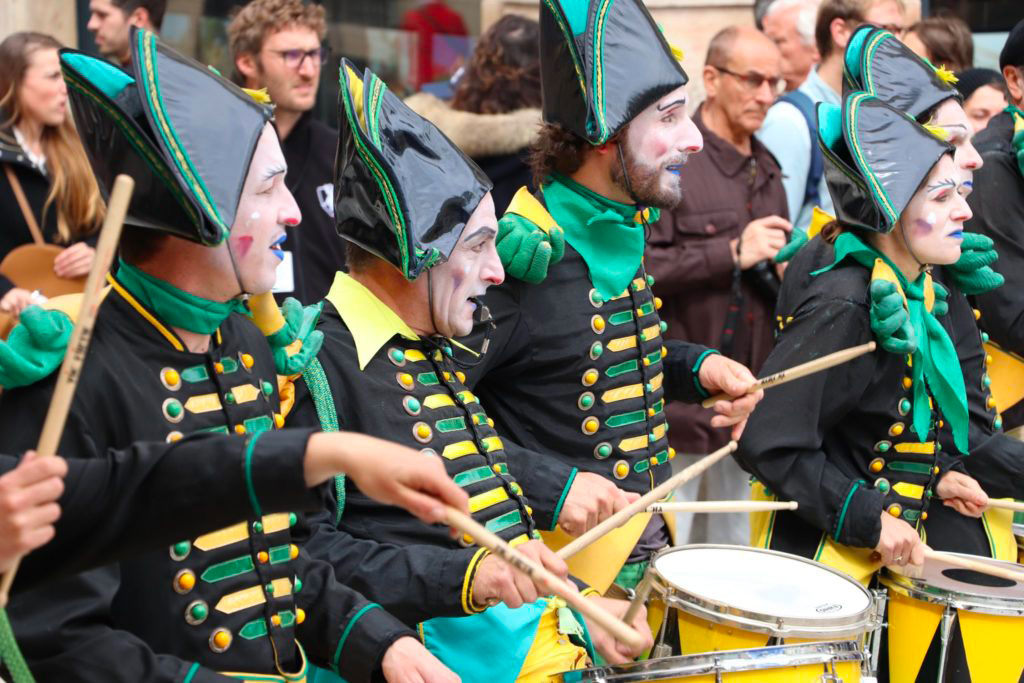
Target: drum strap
x=26, y=210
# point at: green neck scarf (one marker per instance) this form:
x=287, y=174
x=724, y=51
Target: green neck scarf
x=935, y=363
x=608, y=234
x=175, y=307
x=1017, y=141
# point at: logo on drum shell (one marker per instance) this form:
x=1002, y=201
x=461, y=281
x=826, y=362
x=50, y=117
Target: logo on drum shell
x=828, y=608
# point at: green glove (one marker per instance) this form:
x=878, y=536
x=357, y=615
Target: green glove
x=35, y=347
x=526, y=251
x=299, y=324
x=972, y=272
x=890, y=320
x=796, y=240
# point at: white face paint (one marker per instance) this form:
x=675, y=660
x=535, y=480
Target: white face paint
x=933, y=222
x=472, y=267
x=264, y=209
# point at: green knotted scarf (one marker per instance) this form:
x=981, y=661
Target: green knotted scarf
x=175, y=307
x=1017, y=141
x=607, y=234
x=934, y=360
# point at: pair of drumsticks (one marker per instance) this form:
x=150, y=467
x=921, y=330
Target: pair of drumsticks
x=74, y=358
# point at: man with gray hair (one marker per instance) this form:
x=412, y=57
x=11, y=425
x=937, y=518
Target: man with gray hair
x=790, y=23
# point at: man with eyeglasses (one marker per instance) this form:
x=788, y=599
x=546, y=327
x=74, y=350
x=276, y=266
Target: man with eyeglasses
x=278, y=45
x=711, y=254
x=789, y=131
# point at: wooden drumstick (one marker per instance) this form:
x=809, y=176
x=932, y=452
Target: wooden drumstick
x=723, y=506
x=797, y=371
x=643, y=502
x=78, y=345
x=974, y=565
x=1006, y=504
x=544, y=578
x=643, y=591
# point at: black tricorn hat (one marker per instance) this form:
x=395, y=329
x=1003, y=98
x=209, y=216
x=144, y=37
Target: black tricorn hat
x=876, y=158
x=184, y=133
x=402, y=190
x=877, y=62
x=602, y=63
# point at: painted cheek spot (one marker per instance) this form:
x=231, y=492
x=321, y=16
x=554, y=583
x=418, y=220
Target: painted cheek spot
x=242, y=245
x=923, y=227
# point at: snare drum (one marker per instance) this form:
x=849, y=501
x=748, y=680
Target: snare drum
x=836, y=662
x=732, y=597
x=990, y=612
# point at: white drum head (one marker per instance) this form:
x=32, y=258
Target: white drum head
x=763, y=583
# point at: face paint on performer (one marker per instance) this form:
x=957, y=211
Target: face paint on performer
x=655, y=148
x=933, y=221
x=473, y=266
x=951, y=117
x=264, y=209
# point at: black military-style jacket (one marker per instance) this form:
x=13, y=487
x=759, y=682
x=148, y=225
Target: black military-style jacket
x=203, y=604
x=411, y=392
x=130, y=501
x=582, y=380
x=839, y=442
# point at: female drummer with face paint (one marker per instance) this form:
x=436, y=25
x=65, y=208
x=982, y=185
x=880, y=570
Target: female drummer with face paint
x=859, y=446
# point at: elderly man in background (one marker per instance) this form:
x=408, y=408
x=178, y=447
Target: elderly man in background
x=790, y=23
x=791, y=126
x=710, y=255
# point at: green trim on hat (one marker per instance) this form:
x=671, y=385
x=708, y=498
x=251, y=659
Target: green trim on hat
x=151, y=86
x=884, y=202
x=869, y=53
x=373, y=115
x=599, y=21
x=139, y=144
x=383, y=182
x=570, y=42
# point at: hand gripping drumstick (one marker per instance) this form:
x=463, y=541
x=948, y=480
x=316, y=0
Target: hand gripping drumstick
x=723, y=506
x=643, y=502
x=544, y=578
x=797, y=371
x=71, y=368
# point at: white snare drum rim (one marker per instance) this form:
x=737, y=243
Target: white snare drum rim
x=725, y=662
x=764, y=591
x=936, y=588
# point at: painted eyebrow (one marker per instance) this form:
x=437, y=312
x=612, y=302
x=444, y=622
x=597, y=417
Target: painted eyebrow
x=942, y=184
x=274, y=170
x=673, y=103
x=481, y=234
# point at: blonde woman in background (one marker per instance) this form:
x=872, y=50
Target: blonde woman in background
x=47, y=189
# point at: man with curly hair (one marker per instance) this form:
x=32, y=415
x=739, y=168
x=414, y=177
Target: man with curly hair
x=278, y=45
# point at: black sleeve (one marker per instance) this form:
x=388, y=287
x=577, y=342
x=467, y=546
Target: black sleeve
x=64, y=627
x=682, y=363
x=414, y=582
x=342, y=629
x=782, y=444
x=153, y=494
x=998, y=206
x=546, y=481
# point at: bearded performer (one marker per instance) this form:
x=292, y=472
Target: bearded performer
x=576, y=368
x=174, y=353
x=417, y=262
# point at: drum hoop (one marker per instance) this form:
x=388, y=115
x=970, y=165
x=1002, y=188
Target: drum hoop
x=723, y=613
x=723, y=662
x=919, y=589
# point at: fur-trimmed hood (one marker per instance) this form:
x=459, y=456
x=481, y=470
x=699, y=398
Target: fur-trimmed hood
x=479, y=135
